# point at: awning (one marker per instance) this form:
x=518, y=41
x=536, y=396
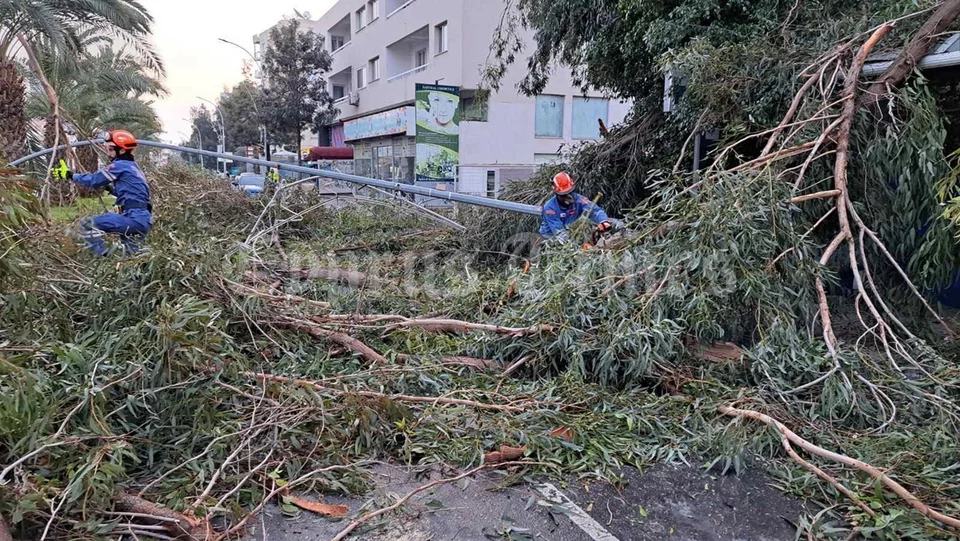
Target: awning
x=330, y=153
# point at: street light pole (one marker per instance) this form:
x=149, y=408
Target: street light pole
x=266, y=139
x=223, y=131
x=199, y=140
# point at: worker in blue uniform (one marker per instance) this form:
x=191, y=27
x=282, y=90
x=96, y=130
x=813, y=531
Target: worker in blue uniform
x=124, y=179
x=566, y=207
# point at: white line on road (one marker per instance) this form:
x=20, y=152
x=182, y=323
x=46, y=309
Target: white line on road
x=577, y=515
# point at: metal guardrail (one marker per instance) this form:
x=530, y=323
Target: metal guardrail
x=363, y=181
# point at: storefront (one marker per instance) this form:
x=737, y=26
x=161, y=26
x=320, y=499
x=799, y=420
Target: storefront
x=383, y=144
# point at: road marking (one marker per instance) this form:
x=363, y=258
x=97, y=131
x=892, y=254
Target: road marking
x=577, y=515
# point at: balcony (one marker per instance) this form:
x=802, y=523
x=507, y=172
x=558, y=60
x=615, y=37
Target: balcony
x=408, y=55
x=408, y=73
x=394, y=6
x=339, y=35
x=341, y=85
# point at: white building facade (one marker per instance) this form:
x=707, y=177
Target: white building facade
x=382, y=48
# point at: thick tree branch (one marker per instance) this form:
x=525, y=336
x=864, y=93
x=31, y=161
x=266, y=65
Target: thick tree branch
x=177, y=524
x=344, y=340
x=430, y=324
x=918, y=47
x=394, y=397
x=896, y=487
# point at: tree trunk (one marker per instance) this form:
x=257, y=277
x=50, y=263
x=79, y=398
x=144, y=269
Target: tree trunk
x=13, y=119
x=63, y=192
x=87, y=157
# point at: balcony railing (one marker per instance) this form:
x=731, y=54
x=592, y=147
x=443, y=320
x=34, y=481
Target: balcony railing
x=408, y=73
x=342, y=47
x=405, y=4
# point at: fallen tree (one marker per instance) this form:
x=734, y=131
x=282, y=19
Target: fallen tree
x=207, y=381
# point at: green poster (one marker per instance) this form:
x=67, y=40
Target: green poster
x=438, y=132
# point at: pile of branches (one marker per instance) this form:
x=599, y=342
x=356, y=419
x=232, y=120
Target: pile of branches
x=267, y=350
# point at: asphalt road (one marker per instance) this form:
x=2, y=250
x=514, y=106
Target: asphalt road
x=674, y=502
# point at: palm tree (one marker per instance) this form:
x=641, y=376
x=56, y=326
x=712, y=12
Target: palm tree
x=101, y=91
x=98, y=92
x=56, y=26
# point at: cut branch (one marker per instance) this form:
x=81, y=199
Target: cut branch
x=826, y=194
x=432, y=324
x=394, y=397
x=340, y=276
x=344, y=340
x=176, y=524
x=896, y=487
x=797, y=100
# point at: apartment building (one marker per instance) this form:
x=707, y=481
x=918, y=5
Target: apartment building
x=382, y=48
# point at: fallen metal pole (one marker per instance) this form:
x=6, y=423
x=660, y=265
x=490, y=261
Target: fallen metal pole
x=44, y=152
x=377, y=183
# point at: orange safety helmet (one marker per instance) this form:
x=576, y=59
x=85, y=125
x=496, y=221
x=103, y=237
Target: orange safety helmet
x=121, y=139
x=563, y=183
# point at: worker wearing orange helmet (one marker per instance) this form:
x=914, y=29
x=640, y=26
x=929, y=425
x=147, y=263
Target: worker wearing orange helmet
x=566, y=207
x=125, y=180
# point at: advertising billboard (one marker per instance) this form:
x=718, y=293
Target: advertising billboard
x=438, y=132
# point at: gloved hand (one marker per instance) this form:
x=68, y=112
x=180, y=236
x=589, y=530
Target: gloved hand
x=611, y=225
x=60, y=172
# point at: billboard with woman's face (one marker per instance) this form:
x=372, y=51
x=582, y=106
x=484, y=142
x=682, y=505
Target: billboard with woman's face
x=438, y=132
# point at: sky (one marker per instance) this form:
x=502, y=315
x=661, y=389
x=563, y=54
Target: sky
x=186, y=35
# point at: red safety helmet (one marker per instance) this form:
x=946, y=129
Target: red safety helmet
x=563, y=183
x=121, y=139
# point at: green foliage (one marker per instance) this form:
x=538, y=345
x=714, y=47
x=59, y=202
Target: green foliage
x=205, y=134
x=898, y=189
x=241, y=109
x=947, y=192
x=100, y=91
x=142, y=361
x=297, y=98
x=19, y=209
x=57, y=25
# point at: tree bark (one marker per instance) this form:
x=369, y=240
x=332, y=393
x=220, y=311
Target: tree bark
x=4, y=531
x=184, y=528
x=918, y=47
x=13, y=119
x=344, y=340
x=63, y=191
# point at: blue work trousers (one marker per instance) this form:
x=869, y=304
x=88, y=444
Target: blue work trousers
x=132, y=227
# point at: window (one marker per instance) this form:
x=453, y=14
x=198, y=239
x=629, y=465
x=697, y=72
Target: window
x=474, y=105
x=374, y=8
x=586, y=113
x=420, y=59
x=336, y=43
x=549, y=116
x=492, y=184
x=442, y=38
x=375, y=69
x=339, y=92
x=361, y=18
x=361, y=82
x=541, y=159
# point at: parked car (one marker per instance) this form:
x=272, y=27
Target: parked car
x=250, y=183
